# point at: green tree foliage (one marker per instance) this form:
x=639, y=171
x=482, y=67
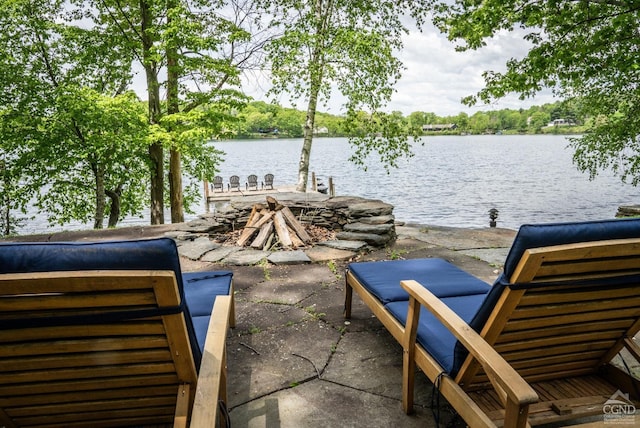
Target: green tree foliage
x=191, y=55
x=262, y=119
x=104, y=141
x=258, y=119
x=586, y=51
x=65, y=145
x=345, y=46
x=419, y=118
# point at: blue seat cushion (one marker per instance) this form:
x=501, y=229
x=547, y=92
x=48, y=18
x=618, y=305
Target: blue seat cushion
x=147, y=254
x=443, y=279
x=434, y=337
x=200, y=291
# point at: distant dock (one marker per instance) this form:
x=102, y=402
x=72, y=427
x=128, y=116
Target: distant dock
x=226, y=195
x=211, y=196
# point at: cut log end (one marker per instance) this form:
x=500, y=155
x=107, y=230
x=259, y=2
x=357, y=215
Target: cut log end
x=271, y=221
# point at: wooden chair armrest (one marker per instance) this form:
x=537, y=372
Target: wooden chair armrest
x=212, y=378
x=504, y=377
x=632, y=347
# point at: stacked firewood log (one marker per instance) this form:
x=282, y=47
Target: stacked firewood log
x=272, y=224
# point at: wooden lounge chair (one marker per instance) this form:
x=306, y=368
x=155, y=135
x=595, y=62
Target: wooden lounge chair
x=111, y=334
x=534, y=348
x=234, y=183
x=268, y=181
x=252, y=182
x=217, y=185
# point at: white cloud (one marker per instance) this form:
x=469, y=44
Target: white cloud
x=435, y=80
x=437, y=77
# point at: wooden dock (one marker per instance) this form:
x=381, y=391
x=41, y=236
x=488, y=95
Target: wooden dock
x=226, y=195
x=211, y=196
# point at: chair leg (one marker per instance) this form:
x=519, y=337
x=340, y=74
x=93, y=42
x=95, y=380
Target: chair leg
x=409, y=355
x=516, y=416
x=182, y=406
x=348, y=297
x=408, y=382
x=232, y=309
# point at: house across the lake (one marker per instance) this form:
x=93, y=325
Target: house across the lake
x=439, y=127
x=561, y=122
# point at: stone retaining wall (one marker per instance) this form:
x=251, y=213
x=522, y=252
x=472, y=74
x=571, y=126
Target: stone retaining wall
x=354, y=218
x=628, y=211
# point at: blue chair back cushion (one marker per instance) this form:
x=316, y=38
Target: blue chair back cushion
x=197, y=289
x=201, y=289
x=382, y=278
x=545, y=235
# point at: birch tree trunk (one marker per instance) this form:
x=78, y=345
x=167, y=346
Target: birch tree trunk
x=322, y=11
x=305, y=155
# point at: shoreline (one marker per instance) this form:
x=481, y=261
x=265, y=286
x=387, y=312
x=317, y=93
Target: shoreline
x=154, y=231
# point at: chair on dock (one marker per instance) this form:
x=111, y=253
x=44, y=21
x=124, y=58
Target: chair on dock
x=534, y=348
x=217, y=185
x=111, y=334
x=252, y=182
x=268, y=181
x=234, y=183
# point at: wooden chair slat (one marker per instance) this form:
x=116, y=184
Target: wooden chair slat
x=58, y=387
x=526, y=345
x=85, y=373
x=92, y=405
x=143, y=421
x=604, y=267
x=84, y=360
x=54, y=302
x=81, y=281
x=86, y=345
x=579, y=307
x=142, y=328
x=548, y=296
x=552, y=360
x=109, y=417
x=559, y=350
x=620, y=326
x=612, y=248
x=35, y=398
x=535, y=323
x=530, y=371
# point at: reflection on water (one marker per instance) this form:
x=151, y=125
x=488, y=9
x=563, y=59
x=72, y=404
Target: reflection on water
x=450, y=181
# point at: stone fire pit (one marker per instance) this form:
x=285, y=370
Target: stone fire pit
x=357, y=221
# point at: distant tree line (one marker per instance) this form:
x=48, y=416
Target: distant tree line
x=260, y=119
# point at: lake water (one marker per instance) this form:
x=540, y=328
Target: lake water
x=450, y=181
